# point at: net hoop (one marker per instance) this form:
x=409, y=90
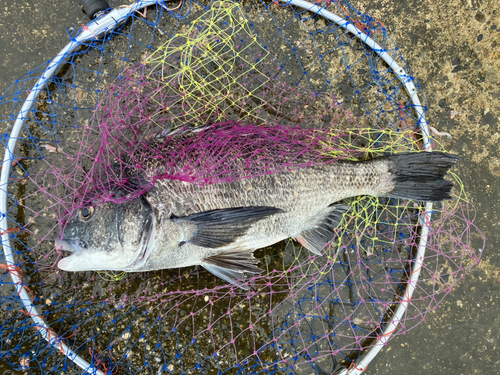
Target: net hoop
x=108, y=22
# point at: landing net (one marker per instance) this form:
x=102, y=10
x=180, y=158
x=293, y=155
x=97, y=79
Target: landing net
x=272, y=84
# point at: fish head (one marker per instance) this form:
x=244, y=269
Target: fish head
x=108, y=236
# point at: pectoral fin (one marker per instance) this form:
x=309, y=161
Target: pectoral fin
x=219, y=228
x=231, y=266
x=317, y=238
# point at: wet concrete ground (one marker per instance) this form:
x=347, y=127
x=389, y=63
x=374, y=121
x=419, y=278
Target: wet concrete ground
x=453, y=49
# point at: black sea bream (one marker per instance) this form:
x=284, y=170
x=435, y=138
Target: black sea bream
x=219, y=225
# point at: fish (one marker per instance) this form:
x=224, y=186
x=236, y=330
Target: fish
x=181, y=223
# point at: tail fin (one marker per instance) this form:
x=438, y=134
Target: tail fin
x=420, y=176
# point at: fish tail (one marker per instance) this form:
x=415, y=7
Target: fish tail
x=420, y=176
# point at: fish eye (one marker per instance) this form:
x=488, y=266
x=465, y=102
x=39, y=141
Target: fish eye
x=86, y=212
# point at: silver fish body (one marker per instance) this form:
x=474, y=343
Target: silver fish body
x=299, y=195
x=218, y=226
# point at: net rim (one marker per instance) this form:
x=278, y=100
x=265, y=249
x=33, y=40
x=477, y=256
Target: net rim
x=108, y=22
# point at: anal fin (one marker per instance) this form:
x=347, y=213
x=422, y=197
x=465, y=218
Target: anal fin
x=231, y=266
x=317, y=238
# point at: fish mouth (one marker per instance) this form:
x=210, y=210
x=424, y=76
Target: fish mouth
x=79, y=260
x=73, y=246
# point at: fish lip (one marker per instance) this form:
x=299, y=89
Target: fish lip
x=73, y=246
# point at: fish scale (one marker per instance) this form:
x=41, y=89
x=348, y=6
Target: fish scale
x=295, y=190
x=301, y=194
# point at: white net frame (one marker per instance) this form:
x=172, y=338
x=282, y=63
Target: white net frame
x=109, y=21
